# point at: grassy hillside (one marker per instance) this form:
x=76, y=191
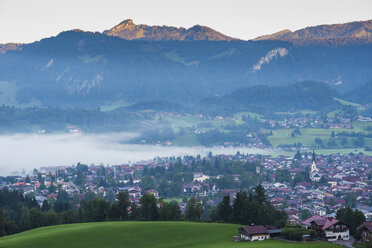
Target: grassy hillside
x=139, y=234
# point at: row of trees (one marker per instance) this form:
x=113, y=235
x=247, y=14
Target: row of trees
x=20, y=213
x=249, y=209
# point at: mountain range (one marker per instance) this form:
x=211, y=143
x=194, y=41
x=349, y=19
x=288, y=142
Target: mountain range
x=130, y=31
x=352, y=31
x=137, y=63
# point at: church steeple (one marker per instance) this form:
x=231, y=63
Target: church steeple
x=313, y=156
x=314, y=173
x=313, y=164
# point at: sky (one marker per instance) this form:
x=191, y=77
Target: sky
x=24, y=21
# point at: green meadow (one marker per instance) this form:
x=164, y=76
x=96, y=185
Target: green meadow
x=141, y=234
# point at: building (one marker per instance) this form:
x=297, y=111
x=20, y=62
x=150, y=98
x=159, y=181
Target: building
x=153, y=192
x=314, y=172
x=365, y=230
x=254, y=233
x=328, y=228
x=293, y=219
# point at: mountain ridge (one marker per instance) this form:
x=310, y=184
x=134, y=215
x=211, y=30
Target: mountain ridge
x=91, y=69
x=128, y=30
x=357, y=30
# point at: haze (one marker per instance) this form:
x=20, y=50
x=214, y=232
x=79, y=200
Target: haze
x=21, y=153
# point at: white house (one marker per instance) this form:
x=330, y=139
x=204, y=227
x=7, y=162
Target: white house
x=328, y=228
x=254, y=233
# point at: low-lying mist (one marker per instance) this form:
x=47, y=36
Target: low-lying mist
x=21, y=153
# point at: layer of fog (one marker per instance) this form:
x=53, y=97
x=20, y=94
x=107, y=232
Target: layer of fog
x=21, y=153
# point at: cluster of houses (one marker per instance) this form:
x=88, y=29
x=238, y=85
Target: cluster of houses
x=326, y=228
x=335, y=181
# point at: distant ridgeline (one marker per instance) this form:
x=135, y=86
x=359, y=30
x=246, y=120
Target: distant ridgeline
x=266, y=100
x=362, y=94
x=138, y=63
x=262, y=99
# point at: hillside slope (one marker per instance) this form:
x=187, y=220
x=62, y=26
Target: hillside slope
x=91, y=70
x=140, y=234
x=362, y=94
x=308, y=95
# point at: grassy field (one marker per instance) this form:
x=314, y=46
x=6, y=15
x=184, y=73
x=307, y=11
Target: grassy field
x=308, y=135
x=173, y=199
x=279, y=137
x=344, y=102
x=193, y=121
x=140, y=234
x=186, y=140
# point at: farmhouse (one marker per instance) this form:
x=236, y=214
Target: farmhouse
x=366, y=231
x=254, y=233
x=328, y=228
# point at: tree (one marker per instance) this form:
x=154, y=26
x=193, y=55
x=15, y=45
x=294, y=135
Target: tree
x=28, y=179
x=135, y=211
x=301, y=177
x=33, y=219
x=224, y=210
x=68, y=217
x=95, y=210
x=163, y=188
x=305, y=214
x=63, y=196
x=194, y=210
x=225, y=182
x=298, y=155
x=3, y=220
x=90, y=195
x=297, y=232
x=79, y=180
x=359, y=141
x=260, y=196
x=110, y=197
x=319, y=141
x=45, y=207
x=351, y=200
x=120, y=207
x=148, y=182
x=169, y=211
x=283, y=175
x=52, y=189
x=50, y=218
x=351, y=218
x=239, y=210
x=149, y=209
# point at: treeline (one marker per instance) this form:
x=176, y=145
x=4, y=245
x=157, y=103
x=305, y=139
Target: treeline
x=19, y=213
x=309, y=95
x=236, y=137
x=14, y=119
x=169, y=183
x=249, y=209
x=361, y=94
x=355, y=134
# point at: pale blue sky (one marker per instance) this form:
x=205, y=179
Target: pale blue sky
x=30, y=20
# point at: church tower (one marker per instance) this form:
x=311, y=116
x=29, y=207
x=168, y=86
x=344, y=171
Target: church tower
x=313, y=164
x=314, y=172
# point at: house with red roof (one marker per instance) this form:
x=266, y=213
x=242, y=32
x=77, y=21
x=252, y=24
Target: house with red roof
x=328, y=228
x=254, y=233
x=366, y=232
